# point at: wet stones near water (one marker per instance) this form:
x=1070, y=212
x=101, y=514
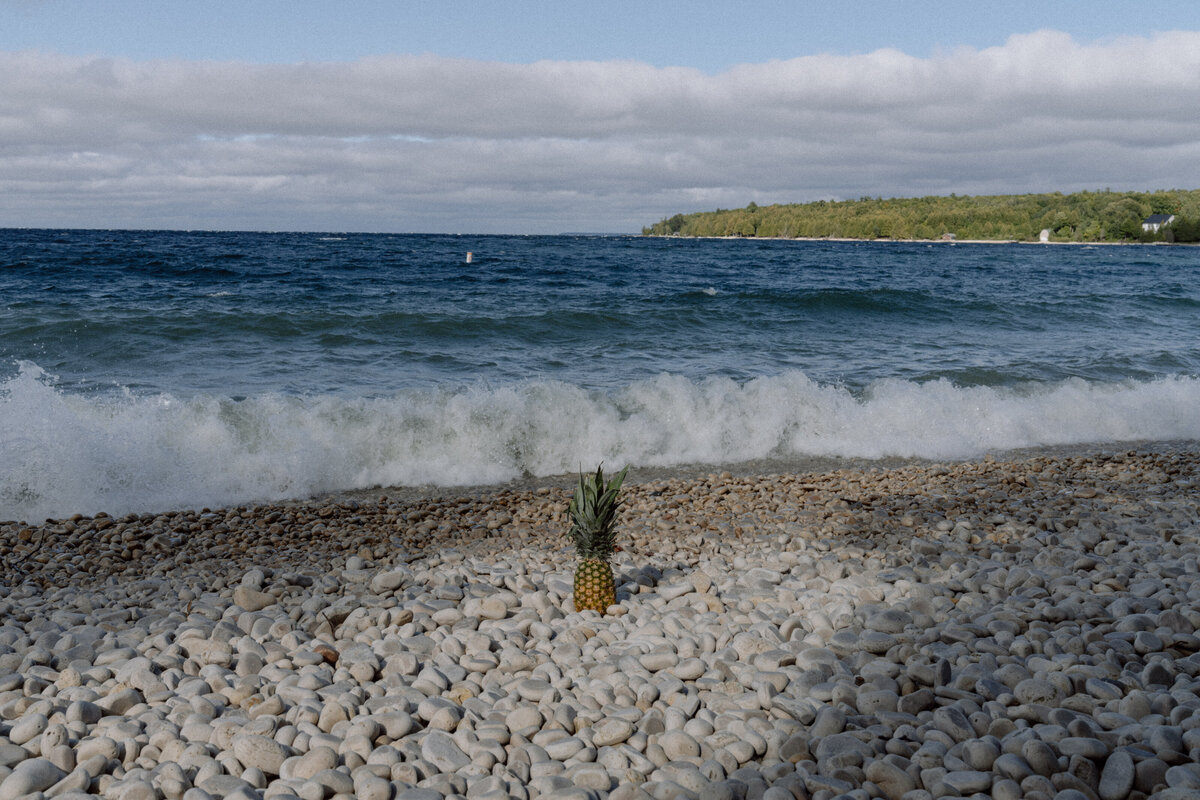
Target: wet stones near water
x=1021, y=629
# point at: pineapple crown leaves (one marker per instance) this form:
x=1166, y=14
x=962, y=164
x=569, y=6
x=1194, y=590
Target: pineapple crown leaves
x=593, y=514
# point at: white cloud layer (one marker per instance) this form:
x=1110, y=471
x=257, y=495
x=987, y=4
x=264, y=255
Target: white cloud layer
x=422, y=143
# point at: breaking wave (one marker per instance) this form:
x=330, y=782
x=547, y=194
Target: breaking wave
x=63, y=453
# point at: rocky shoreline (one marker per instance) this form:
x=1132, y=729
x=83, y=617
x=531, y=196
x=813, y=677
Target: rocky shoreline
x=1008, y=628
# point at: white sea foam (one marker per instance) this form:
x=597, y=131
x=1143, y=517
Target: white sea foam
x=62, y=453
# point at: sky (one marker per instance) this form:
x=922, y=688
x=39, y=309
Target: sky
x=555, y=115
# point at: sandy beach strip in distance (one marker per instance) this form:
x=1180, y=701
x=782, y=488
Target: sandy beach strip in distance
x=1021, y=625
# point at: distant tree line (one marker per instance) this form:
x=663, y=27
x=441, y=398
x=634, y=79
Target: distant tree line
x=1104, y=216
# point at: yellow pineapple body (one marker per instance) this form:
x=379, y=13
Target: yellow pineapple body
x=593, y=515
x=595, y=588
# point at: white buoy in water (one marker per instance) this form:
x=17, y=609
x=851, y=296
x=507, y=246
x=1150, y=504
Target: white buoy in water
x=470, y=256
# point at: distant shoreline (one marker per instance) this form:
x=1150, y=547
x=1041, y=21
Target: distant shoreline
x=915, y=241
x=1085, y=217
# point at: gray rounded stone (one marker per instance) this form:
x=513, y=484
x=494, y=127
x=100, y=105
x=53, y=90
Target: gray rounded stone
x=83, y=711
x=874, y=702
x=562, y=749
x=679, y=745
x=953, y=723
x=262, y=752
x=252, y=599
x=916, y=702
x=334, y=782
x=524, y=720
x=1040, y=756
x=967, y=782
x=1036, y=690
x=611, y=731
x=980, y=754
x=1006, y=789
x=842, y=750
x=1167, y=739
x=533, y=689
x=224, y=786
x=891, y=620
x=1083, y=746
x=1013, y=766
x=891, y=780
x=312, y=762
x=658, y=661
x=31, y=775
x=1149, y=774
x=1071, y=794
x=829, y=721
x=27, y=728
x=372, y=787
x=688, y=669
x=11, y=754
x=1185, y=776
x=1116, y=779
x=439, y=749
x=591, y=776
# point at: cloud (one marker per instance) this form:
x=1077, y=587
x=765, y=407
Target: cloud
x=435, y=144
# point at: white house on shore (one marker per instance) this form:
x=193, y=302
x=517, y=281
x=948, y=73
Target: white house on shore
x=1152, y=223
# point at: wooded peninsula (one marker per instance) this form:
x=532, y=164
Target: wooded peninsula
x=1104, y=216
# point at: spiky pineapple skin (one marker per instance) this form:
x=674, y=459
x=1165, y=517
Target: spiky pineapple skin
x=593, y=516
x=595, y=589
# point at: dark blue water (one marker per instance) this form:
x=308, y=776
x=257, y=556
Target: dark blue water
x=143, y=369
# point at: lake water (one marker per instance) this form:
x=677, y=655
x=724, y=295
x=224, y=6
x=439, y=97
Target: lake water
x=146, y=370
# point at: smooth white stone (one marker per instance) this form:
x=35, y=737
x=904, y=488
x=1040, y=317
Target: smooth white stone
x=31, y=775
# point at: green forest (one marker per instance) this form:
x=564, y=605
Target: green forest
x=1102, y=216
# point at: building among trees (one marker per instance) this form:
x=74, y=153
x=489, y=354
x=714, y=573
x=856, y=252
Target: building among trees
x=1152, y=223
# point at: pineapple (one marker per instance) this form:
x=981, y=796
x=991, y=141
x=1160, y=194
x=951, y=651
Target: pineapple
x=593, y=515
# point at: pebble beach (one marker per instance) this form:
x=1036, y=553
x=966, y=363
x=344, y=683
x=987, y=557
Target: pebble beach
x=1011, y=627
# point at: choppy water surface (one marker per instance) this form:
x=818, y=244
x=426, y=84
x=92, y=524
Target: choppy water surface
x=151, y=370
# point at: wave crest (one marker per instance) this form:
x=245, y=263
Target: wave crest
x=62, y=453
